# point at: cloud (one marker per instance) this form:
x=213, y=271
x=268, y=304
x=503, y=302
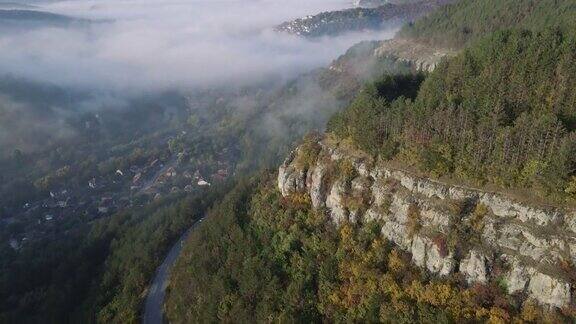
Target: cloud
x=155, y=45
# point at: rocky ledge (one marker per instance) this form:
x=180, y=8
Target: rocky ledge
x=422, y=57
x=485, y=236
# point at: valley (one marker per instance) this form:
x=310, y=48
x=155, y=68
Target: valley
x=377, y=161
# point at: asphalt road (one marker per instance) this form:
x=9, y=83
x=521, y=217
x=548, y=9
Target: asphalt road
x=153, y=310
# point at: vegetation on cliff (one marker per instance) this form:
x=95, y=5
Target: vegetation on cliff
x=260, y=257
x=501, y=112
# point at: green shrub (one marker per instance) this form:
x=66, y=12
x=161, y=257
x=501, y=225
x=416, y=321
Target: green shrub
x=308, y=152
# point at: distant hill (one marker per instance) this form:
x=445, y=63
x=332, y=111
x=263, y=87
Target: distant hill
x=358, y=19
x=33, y=18
x=15, y=5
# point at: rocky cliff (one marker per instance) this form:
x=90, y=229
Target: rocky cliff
x=362, y=58
x=448, y=229
x=420, y=56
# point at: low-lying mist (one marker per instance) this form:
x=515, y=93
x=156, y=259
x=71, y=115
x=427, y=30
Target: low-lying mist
x=105, y=56
x=154, y=45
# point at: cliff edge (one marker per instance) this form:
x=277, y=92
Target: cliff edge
x=448, y=229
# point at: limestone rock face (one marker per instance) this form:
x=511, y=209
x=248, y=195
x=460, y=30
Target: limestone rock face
x=549, y=290
x=434, y=218
x=422, y=57
x=527, y=244
x=397, y=233
x=419, y=251
x=442, y=265
x=318, y=186
x=290, y=178
x=518, y=277
x=474, y=267
x=334, y=202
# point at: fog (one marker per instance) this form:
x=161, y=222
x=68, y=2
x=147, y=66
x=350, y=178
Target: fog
x=114, y=55
x=154, y=45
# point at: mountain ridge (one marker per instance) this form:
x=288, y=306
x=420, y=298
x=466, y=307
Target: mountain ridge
x=333, y=23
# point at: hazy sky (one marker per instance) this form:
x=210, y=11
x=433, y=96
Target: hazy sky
x=156, y=44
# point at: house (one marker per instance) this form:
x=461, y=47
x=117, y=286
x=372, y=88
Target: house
x=203, y=183
x=48, y=217
x=119, y=172
x=92, y=183
x=187, y=174
x=102, y=210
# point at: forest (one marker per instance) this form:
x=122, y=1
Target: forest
x=260, y=257
x=502, y=112
x=97, y=272
x=466, y=21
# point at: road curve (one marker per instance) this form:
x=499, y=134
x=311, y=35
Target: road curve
x=153, y=309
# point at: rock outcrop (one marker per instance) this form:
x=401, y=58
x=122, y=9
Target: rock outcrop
x=422, y=57
x=485, y=236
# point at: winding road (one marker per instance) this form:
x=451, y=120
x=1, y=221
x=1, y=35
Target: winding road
x=153, y=309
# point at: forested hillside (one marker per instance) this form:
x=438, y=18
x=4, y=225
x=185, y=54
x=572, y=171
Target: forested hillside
x=499, y=115
x=466, y=21
x=260, y=257
x=502, y=112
